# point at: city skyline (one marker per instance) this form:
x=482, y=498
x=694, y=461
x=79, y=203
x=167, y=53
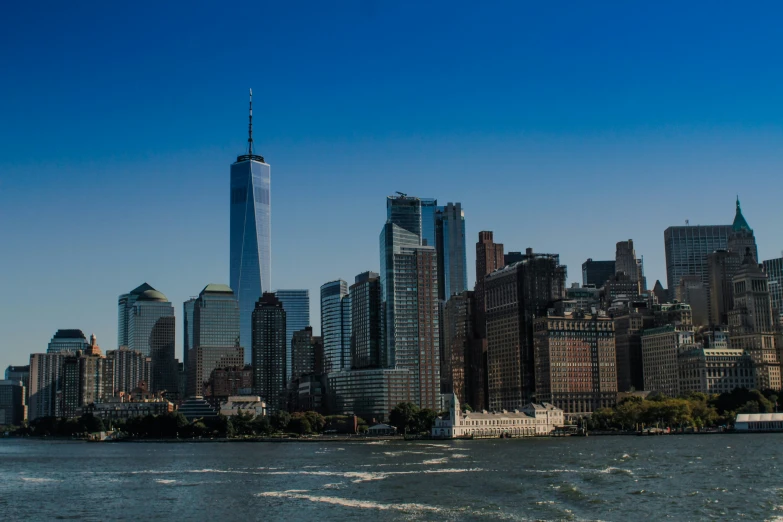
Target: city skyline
x=178, y=178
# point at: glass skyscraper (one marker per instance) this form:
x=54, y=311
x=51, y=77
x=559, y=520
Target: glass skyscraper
x=124, y=306
x=268, y=348
x=429, y=211
x=450, y=243
x=336, y=325
x=774, y=270
x=67, y=341
x=405, y=212
x=188, y=308
x=251, y=235
x=151, y=332
x=296, y=304
x=687, y=249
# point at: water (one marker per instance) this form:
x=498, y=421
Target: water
x=722, y=477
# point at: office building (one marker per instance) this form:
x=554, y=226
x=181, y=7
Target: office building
x=576, y=368
x=131, y=369
x=715, y=370
x=618, y=286
x=269, y=354
x=584, y=298
x=216, y=336
x=13, y=408
x=429, y=221
x=250, y=234
x=694, y=292
x=628, y=327
x=660, y=293
x=188, y=309
x=774, y=270
x=450, y=243
x=367, y=344
x=124, y=306
x=67, y=341
x=231, y=381
x=405, y=212
x=596, y=273
x=19, y=373
x=751, y=323
x=151, y=331
x=687, y=248
x=459, y=347
x=627, y=263
x=307, y=353
x=489, y=257
x=661, y=347
x=370, y=394
x=515, y=295
x=296, y=304
x=46, y=371
x=512, y=257
x=336, y=325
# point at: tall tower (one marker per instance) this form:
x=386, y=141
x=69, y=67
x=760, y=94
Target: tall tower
x=251, y=234
x=450, y=243
x=336, y=325
x=269, y=350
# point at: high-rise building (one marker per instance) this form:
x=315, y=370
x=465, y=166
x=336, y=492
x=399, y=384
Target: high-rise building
x=336, y=325
x=269, y=354
x=450, y=243
x=459, y=345
x=659, y=292
x=489, y=257
x=151, y=331
x=305, y=353
x=367, y=344
x=715, y=370
x=67, y=341
x=46, y=370
x=627, y=263
x=96, y=375
x=251, y=234
x=751, y=323
x=371, y=394
x=661, y=347
x=13, y=407
x=687, y=249
x=429, y=221
x=19, y=373
x=596, y=273
x=405, y=212
x=124, y=306
x=231, y=381
x=515, y=295
x=774, y=270
x=694, y=292
x=131, y=369
x=511, y=258
x=628, y=327
x=575, y=362
x=296, y=304
x=188, y=308
x=216, y=334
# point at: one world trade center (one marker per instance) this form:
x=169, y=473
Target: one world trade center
x=251, y=234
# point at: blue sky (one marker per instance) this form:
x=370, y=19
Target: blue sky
x=564, y=127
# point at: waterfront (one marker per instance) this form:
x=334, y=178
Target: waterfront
x=594, y=478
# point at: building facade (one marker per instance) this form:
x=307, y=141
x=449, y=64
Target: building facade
x=628, y=327
x=661, y=347
x=336, y=325
x=367, y=342
x=715, y=370
x=131, y=369
x=687, y=249
x=452, y=257
x=13, y=408
x=216, y=336
x=774, y=270
x=459, y=340
x=269, y=354
x=44, y=395
x=576, y=367
x=406, y=213
x=515, y=295
x=67, y=341
x=151, y=331
x=596, y=273
x=370, y=394
x=305, y=356
x=296, y=304
x=627, y=263
x=250, y=235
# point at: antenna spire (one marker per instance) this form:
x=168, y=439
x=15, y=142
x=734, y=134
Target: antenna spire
x=250, y=127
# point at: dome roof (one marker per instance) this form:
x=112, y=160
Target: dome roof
x=151, y=295
x=141, y=289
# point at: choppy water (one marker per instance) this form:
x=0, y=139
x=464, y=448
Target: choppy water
x=724, y=477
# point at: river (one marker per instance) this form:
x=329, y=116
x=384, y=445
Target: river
x=721, y=477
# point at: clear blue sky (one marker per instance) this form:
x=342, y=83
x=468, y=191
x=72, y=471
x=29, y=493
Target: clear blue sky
x=564, y=127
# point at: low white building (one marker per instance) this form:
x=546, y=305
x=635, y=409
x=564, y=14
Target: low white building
x=759, y=422
x=243, y=404
x=530, y=421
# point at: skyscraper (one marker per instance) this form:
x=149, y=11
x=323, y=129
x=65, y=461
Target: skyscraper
x=774, y=270
x=405, y=212
x=366, y=322
x=296, y=304
x=67, y=341
x=151, y=332
x=131, y=369
x=45, y=384
x=188, y=308
x=627, y=263
x=597, y=272
x=336, y=325
x=251, y=234
x=459, y=341
x=124, y=306
x=429, y=219
x=515, y=295
x=450, y=243
x=687, y=249
x=269, y=353
x=215, y=336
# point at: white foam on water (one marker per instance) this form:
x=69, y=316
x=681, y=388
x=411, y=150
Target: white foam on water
x=367, y=476
x=165, y=481
x=459, y=456
x=333, y=485
x=352, y=503
x=441, y=460
x=39, y=480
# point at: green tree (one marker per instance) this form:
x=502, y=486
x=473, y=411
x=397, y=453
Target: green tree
x=90, y=423
x=403, y=417
x=280, y=420
x=425, y=418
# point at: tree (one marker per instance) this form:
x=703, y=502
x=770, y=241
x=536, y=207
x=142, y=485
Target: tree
x=280, y=420
x=404, y=417
x=300, y=424
x=90, y=423
x=425, y=418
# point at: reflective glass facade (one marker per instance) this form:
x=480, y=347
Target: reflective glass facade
x=452, y=257
x=151, y=331
x=250, y=239
x=296, y=304
x=67, y=341
x=124, y=306
x=687, y=249
x=429, y=211
x=366, y=322
x=774, y=269
x=188, y=308
x=336, y=325
x=405, y=212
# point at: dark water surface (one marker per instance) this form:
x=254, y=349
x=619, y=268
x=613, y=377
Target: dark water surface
x=723, y=477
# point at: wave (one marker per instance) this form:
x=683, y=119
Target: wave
x=367, y=476
x=165, y=481
x=441, y=460
x=352, y=503
x=39, y=480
